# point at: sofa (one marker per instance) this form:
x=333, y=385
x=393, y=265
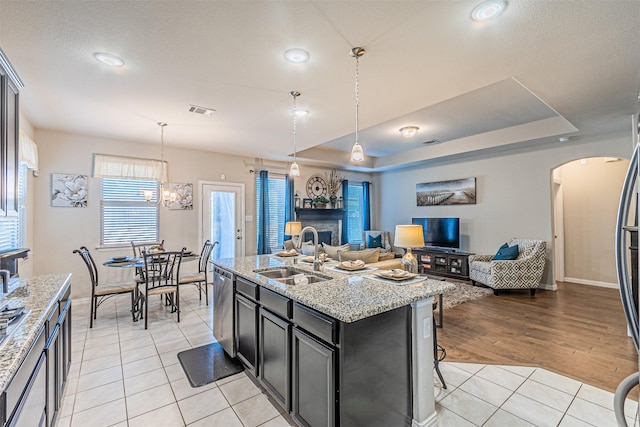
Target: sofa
x=373, y=257
x=524, y=272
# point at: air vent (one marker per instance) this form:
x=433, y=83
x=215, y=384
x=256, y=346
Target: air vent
x=431, y=142
x=201, y=110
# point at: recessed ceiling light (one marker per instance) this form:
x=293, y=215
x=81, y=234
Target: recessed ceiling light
x=409, y=131
x=296, y=56
x=108, y=59
x=488, y=10
x=300, y=113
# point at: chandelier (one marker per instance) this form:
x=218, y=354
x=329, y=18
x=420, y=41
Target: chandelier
x=167, y=197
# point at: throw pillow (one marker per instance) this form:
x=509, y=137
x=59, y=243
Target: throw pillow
x=368, y=255
x=332, y=251
x=288, y=244
x=384, y=256
x=374, y=242
x=307, y=248
x=507, y=253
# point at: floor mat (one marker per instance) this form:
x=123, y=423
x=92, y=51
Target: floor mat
x=208, y=363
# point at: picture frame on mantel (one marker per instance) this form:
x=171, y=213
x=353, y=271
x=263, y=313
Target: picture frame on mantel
x=307, y=203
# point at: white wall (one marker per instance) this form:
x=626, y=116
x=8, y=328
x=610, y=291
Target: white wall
x=513, y=191
x=591, y=192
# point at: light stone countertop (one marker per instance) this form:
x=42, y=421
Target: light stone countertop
x=38, y=295
x=346, y=297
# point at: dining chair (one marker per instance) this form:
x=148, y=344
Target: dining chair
x=138, y=248
x=200, y=278
x=101, y=292
x=160, y=276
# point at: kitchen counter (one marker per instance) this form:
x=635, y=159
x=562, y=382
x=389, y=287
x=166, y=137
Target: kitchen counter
x=38, y=295
x=346, y=297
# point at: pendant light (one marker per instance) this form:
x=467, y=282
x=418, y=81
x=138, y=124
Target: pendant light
x=165, y=197
x=295, y=169
x=357, y=153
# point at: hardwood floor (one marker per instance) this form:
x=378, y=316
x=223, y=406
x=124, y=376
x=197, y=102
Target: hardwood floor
x=578, y=331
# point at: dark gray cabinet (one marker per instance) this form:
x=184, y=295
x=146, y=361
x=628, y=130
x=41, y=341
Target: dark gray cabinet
x=34, y=394
x=274, y=350
x=10, y=85
x=247, y=332
x=313, y=381
x=323, y=372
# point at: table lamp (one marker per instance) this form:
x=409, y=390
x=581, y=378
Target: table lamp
x=409, y=236
x=293, y=229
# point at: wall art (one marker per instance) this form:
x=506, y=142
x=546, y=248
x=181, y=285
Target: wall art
x=454, y=192
x=68, y=190
x=184, y=199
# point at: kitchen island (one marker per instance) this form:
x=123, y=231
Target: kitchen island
x=349, y=351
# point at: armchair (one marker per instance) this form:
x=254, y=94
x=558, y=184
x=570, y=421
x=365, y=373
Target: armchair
x=524, y=272
x=370, y=234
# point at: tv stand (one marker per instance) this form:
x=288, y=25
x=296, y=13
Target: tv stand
x=443, y=262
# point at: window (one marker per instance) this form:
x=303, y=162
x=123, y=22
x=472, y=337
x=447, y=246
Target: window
x=354, y=207
x=125, y=215
x=13, y=229
x=275, y=216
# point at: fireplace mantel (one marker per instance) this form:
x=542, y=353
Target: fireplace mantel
x=319, y=214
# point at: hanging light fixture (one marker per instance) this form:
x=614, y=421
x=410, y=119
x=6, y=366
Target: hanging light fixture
x=166, y=197
x=295, y=169
x=357, y=153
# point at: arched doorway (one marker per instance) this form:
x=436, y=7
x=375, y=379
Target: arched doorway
x=585, y=199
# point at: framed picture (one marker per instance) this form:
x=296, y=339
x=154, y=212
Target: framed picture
x=454, y=192
x=307, y=203
x=184, y=196
x=68, y=190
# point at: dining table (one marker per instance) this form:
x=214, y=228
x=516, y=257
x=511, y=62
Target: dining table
x=128, y=261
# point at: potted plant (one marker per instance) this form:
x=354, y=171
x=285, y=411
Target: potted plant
x=334, y=182
x=320, y=202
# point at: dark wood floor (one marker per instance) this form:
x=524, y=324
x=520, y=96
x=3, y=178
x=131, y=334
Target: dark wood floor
x=578, y=331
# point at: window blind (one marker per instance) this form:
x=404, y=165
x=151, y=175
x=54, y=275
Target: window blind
x=354, y=207
x=125, y=214
x=275, y=219
x=13, y=229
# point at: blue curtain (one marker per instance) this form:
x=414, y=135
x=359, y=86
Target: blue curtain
x=263, y=215
x=345, y=216
x=366, y=206
x=289, y=207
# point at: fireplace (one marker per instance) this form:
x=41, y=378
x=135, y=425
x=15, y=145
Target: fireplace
x=328, y=223
x=323, y=237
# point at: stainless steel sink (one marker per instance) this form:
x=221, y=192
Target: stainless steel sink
x=289, y=275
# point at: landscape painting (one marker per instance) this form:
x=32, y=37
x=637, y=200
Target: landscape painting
x=454, y=192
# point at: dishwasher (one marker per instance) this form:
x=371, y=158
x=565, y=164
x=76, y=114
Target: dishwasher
x=224, y=284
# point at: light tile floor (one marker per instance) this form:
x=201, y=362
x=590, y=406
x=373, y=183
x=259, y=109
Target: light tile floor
x=124, y=375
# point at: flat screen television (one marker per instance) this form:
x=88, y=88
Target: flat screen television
x=440, y=232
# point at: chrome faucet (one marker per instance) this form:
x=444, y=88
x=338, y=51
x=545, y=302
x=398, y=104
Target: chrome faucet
x=5, y=275
x=317, y=262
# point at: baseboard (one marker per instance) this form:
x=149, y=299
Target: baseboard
x=591, y=282
x=548, y=286
x=431, y=421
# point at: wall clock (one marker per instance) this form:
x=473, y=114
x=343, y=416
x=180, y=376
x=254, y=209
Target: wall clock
x=316, y=186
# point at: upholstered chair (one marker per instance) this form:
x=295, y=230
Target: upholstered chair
x=371, y=236
x=524, y=272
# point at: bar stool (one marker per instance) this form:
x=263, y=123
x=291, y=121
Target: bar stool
x=439, y=353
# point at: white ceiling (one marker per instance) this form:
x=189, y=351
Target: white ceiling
x=541, y=70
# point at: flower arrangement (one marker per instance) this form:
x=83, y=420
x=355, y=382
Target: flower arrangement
x=320, y=200
x=334, y=182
